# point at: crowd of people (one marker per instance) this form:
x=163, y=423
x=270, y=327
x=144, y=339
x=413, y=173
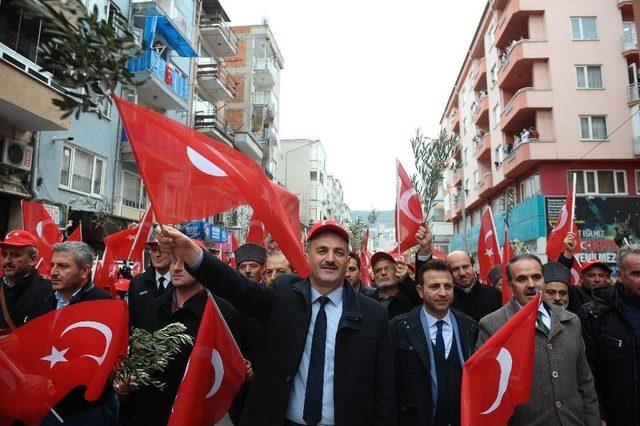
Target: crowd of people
x=330, y=349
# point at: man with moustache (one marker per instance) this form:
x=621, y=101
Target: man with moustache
x=472, y=297
x=431, y=344
x=388, y=275
x=557, y=280
x=23, y=292
x=276, y=265
x=325, y=340
x=71, y=280
x=250, y=259
x=562, y=384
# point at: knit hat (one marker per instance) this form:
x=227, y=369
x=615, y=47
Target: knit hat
x=252, y=252
x=495, y=274
x=556, y=272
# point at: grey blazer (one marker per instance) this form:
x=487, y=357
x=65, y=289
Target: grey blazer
x=562, y=390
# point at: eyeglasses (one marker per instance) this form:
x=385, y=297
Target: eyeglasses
x=388, y=268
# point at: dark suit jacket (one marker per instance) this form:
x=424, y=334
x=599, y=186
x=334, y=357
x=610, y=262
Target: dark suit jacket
x=413, y=365
x=363, y=366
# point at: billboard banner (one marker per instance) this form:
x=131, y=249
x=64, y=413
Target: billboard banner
x=599, y=219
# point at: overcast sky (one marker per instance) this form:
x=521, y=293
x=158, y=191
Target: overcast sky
x=361, y=76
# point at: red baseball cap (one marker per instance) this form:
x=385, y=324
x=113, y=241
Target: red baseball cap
x=19, y=238
x=122, y=284
x=328, y=225
x=380, y=255
x=595, y=262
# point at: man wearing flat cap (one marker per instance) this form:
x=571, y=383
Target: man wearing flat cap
x=557, y=280
x=325, y=340
x=495, y=276
x=388, y=275
x=250, y=258
x=23, y=292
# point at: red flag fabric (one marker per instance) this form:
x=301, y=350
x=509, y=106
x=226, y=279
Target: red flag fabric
x=497, y=378
x=409, y=214
x=507, y=254
x=488, y=247
x=576, y=273
x=43, y=360
x=190, y=176
x=564, y=224
x=291, y=205
x=106, y=273
x=121, y=242
x=365, y=259
x=38, y=221
x=256, y=233
x=76, y=235
x=215, y=372
x=438, y=254
x=234, y=247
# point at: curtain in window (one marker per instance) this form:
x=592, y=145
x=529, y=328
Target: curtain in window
x=97, y=181
x=589, y=30
x=584, y=128
x=131, y=191
x=599, y=127
x=580, y=74
x=575, y=29
x=594, y=74
x=605, y=182
x=66, y=164
x=82, y=171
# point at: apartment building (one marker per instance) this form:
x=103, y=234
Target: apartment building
x=254, y=112
x=336, y=206
x=548, y=89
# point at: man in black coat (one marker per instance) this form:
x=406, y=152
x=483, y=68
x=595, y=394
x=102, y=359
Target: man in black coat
x=153, y=282
x=431, y=344
x=71, y=281
x=472, y=297
x=184, y=302
x=23, y=292
x=611, y=332
x=387, y=277
x=308, y=322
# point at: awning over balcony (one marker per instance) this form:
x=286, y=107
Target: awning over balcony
x=167, y=29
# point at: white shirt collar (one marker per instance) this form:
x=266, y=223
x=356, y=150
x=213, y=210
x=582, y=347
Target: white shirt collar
x=541, y=309
x=167, y=277
x=335, y=296
x=431, y=320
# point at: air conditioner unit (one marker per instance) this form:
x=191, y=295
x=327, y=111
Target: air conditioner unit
x=17, y=154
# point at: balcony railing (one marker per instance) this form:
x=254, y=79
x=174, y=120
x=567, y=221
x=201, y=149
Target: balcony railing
x=634, y=94
x=629, y=42
x=173, y=12
x=217, y=21
x=217, y=70
x=267, y=64
x=150, y=61
x=267, y=99
x=209, y=119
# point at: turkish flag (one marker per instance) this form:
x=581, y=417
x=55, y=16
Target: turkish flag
x=564, y=225
x=215, y=372
x=497, y=378
x=190, y=176
x=257, y=233
x=234, y=247
x=409, y=214
x=76, y=235
x=38, y=221
x=129, y=243
x=507, y=254
x=365, y=259
x=438, y=254
x=106, y=273
x=46, y=358
x=488, y=247
x=576, y=273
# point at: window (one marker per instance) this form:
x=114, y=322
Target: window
x=593, y=127
x=494, y=75
x=464, y=126
x=81, y=171
x=584, y=28
x=593, y=182
x=530, y=188
x=496, y=116
x=476, y=178
x=638, y=182
x=491, y=37
x=589, y=76
x=313, y=175
x=464, y=155
x=134, y=194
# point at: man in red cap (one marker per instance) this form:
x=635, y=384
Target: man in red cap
x=387, y=274
x=23, y=292
x=325, y=340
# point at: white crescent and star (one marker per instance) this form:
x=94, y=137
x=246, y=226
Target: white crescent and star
x=203, y=164
x=404, y=204
x=218, y=368
x=575, y=276
x=55, y=356
x=563, y=219
x=505, y=361
x=40, y=226
x=58, y=356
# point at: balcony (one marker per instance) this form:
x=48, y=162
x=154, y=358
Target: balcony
x=161, y=84
x=26, y=93
x=215, y=82
x=248, y=145
x=454, y=121
x=636, y=145
x=216, y=34
x=485, y=185
x=168, y=19
x=266, y=100
x=483, y=147
x=457, y=204
x=457, y=177
x=516, y=70
x=481, y=114
x=630, y=45
x=625, y=4
x=213, y=125
x=514, y=21
x=480, y=76
x=528, y=154
x=520, y=111
x=132, y=210
x=266, y=72
x=634, y=94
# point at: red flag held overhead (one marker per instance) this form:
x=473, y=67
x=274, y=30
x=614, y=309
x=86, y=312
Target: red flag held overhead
x=38, y=221
x=564, y=225
x=409, y=214
x=488, y=247
x=507, y=254
x=76, y=235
